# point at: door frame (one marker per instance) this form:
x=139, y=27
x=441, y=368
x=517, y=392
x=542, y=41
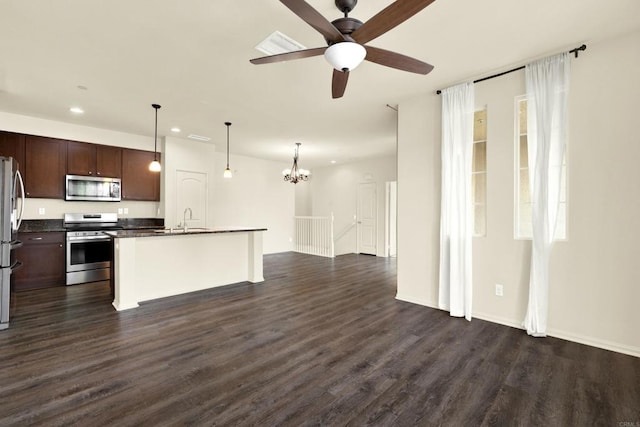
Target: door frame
x=359, y=217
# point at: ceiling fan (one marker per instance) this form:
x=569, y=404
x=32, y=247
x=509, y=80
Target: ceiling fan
x=346, y=38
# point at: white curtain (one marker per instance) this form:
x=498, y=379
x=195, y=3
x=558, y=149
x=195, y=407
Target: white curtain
x=456, y=225
x=547, y=89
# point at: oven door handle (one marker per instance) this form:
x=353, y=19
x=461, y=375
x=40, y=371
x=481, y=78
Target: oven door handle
x=85, y=238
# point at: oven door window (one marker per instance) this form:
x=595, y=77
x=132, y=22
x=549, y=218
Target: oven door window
x=91, y=252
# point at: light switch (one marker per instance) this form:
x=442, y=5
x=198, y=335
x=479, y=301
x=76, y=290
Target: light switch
x=119, y=211
x=40, y=211
x=126, y=210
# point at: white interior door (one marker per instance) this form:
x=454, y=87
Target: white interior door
x=367, y=221
x=191, y=192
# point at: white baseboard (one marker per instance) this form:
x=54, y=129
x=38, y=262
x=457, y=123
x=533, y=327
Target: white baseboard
x=497, y=319
x=582, y=339
x=595, y=342
x=416, y=300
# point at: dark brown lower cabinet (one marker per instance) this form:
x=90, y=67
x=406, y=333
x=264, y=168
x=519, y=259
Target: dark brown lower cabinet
x=43, y=261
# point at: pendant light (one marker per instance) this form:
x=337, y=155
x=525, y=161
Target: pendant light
x=155, y=165
x=227, y=171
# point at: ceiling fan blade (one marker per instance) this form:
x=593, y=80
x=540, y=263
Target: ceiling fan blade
x=312, y=17
x=391, y=16
x=339, y=83
x=298, y=54
x=396, y=60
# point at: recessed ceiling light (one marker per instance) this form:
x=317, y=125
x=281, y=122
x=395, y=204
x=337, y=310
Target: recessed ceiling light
x=333, y=162
x=176, y=130
x=76, y=110
x=199, y=137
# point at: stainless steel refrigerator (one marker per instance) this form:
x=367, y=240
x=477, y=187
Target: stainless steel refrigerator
x=11, y=210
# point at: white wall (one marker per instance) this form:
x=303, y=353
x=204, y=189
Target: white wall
x=56, y=208
x=304, y=201
x=255, y=196
x=335, y=189
x=594, y=290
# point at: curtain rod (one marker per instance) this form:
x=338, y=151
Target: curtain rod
x=574, y=51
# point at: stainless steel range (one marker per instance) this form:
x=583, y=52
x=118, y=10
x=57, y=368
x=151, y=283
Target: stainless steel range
x=89, y=250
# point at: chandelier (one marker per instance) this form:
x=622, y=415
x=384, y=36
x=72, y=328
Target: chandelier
x=294, y=175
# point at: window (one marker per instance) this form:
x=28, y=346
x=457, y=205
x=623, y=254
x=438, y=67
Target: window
x=479, y=173
x=523, y=192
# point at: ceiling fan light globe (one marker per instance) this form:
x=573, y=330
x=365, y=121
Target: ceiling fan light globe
x=286, y=172
x=345, y=55
x=227, y=173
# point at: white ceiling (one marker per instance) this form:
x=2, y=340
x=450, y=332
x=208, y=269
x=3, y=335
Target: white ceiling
x=192, y=57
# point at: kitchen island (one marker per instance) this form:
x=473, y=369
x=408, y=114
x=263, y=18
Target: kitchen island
x=151, y=264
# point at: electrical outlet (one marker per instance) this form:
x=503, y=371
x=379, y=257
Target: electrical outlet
x=40, y=211
x=499, y=290
x=120, y=211
x=126, y=210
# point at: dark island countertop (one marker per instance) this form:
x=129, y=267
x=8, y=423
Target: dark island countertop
x=119, y=234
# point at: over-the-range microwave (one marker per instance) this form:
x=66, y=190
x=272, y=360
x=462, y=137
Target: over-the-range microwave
x=93, y=188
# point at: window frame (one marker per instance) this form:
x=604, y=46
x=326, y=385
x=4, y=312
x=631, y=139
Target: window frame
x=517, y=235
x=475, y=173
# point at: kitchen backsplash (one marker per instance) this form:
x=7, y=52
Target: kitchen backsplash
x=55, y=209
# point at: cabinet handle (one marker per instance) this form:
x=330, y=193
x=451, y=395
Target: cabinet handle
x=60, y=245
x=97, y=173
x=89, y=172
x=35, y=238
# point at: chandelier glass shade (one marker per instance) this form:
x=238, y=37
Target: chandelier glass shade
x=345, y=56
x=295, y=174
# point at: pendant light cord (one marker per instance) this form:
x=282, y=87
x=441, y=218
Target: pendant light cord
x=228, y=124
x=155, y=139
x=155, y=135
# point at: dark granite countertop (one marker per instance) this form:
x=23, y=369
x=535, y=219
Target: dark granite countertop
x=41, y=225
x=49, y=225
x=140, y=223
x=118, y=234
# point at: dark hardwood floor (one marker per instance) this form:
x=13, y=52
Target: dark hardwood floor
x=320, y=342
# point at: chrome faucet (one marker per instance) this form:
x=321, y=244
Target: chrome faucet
x=184, y=218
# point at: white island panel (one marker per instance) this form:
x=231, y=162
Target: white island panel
x=147, y=268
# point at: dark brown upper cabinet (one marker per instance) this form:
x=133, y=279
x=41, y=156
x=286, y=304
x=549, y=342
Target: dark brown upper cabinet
x=138, y=183
x=12, y=145
x=45, y=167
x=94, y=160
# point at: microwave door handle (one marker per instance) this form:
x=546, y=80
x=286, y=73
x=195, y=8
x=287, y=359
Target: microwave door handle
x=22, y=198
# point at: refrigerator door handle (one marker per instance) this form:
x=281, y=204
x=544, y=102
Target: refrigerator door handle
x=22, y=199
x=16, y=266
